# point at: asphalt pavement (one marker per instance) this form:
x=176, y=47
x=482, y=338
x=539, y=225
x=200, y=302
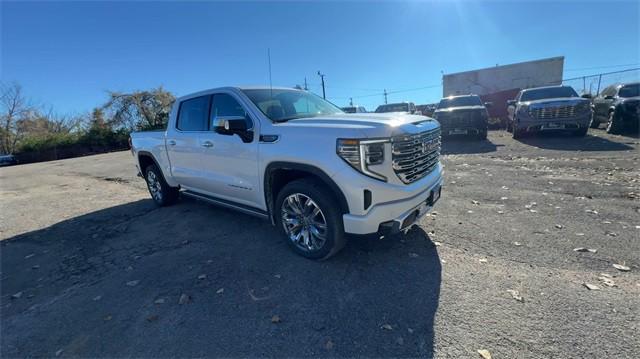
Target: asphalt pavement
x=91, y=268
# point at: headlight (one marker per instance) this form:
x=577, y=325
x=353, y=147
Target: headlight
x=584, y=106
x=361, y=154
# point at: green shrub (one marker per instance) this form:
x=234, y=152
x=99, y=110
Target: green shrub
x=48, y=141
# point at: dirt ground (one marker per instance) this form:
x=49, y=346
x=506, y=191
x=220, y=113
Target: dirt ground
x=91, y=268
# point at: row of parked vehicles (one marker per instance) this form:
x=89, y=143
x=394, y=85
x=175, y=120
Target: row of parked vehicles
x=552, y=108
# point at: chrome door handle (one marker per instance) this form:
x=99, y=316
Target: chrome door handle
x=171, y=142
x=207, y=144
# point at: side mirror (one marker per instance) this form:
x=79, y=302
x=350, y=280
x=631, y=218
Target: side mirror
x=236, y=125
x=586, y=95
x=488, y=104
x=609, y=97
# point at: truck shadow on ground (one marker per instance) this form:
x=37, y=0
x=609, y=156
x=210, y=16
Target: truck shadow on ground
x=196, y=280
x=567, y=142
x=466, y=145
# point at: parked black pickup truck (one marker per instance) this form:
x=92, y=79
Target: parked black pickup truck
x=619, y=107
x=462, y=115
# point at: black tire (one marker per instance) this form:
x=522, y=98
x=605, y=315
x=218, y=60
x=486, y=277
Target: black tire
x=581, y=132
x=516, y=134
x=161, y=193
x=614, y=125
x=482, y=135
x=324, y=199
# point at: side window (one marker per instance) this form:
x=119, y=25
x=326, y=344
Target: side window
x=193, y=114
x=225, y=105
x=609, y=91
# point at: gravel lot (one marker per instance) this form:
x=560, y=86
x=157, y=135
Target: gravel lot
x=90, y=268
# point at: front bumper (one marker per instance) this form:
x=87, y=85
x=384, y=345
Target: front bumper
x=392, y=217
x=462, y=130
x=572, y=123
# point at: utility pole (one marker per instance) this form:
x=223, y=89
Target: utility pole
x=350, y=101
x=385, y=96
x=324, y=96
x=305, y=84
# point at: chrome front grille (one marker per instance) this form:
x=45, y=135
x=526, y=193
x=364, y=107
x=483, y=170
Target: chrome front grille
x=415, y=156
x=551, y=113
x=456, y=119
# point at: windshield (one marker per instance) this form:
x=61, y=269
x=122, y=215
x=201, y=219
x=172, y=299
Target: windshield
x=394, y=107
x=282, y=105
x=632, y=90
x=460, y=101
x=548, y=92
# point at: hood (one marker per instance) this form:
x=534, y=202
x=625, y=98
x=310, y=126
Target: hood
x=561, y=101
x=369, y=124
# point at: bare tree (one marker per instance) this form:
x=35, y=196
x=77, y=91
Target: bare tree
x=141, y=109
x=14, y=108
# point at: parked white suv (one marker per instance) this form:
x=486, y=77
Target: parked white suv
x=289, y=156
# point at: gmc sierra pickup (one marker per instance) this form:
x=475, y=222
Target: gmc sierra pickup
x=288, y=156
x=553, y=108
x=463, y=115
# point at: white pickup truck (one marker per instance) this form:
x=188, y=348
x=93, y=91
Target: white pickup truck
x=295, y=159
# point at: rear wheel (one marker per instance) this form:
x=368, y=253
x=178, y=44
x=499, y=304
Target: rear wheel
x=614, y=125
x=161, y=193
x=308, y=215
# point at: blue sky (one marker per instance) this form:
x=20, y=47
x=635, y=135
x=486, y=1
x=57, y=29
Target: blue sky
x=68, y=54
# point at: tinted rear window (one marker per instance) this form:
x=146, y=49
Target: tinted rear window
x=193, y=114
x=460, y=101
x=397, y=107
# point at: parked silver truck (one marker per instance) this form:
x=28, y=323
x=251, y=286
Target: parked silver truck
x=552, y=108
x=288, y=156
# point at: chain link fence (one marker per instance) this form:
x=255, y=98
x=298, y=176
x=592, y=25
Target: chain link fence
x=594, y=84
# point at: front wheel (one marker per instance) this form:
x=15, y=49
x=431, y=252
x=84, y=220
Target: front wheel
x=482, y=135
x=614, y=125
x=516, y=133
x=581, y=132
x=309, y=217
x=161, y=193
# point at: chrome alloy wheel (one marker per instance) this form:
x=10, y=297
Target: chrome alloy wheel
x=154, y=186
x=303, y=222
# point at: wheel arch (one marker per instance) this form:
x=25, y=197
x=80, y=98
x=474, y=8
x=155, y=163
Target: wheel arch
x=278, y=174
x=145, y=159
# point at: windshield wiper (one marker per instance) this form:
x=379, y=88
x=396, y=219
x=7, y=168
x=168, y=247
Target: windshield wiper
x=285, y=119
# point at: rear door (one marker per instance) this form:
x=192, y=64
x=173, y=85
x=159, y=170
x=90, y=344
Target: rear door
x=229, y=162
x=184, y=142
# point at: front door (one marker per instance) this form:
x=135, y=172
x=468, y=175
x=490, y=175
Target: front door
x=229, y=162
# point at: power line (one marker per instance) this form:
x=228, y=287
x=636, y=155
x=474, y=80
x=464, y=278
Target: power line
x=601, y=67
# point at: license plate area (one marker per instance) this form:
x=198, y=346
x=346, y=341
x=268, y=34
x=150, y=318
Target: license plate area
x=434, y=196
x=458, y=131
x=422, y=209
x=553, y=125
